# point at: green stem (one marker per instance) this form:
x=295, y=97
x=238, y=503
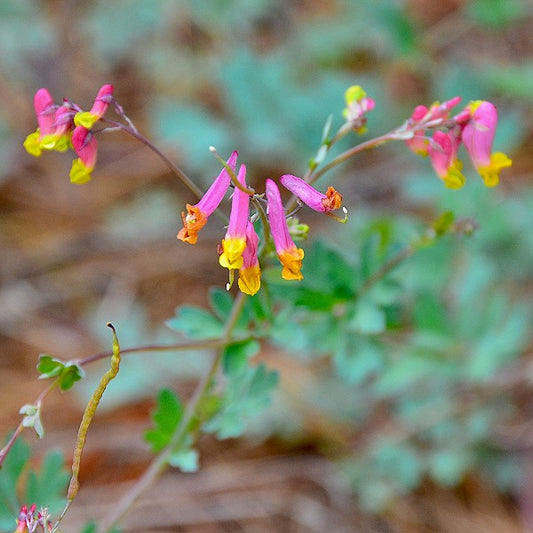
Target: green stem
x=160, y=462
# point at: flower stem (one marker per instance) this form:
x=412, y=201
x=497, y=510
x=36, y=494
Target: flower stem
x=173, y=167
x=160, y=462
x=6, y=449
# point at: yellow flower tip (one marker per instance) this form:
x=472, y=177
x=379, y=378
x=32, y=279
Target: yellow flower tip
x=85, y=119
x=62, y=143
x=454, y=179
x=292, y=263
x=250, y=280
x=491, y=172
x=232, y=250
x=79, y=173
x=472, y=106
x=355, y=93
x=32, y=144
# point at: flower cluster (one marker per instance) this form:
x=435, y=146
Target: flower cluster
x=474, y=127
x=66, y=125
x=30, y=520
x=239, y=248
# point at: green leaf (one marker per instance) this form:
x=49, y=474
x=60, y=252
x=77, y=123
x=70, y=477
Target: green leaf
x=47, y=487
x=185, y=460
x=49, y=367
x=369, y=319
x=196, y=323
x=10, y=474
x=165, y=420
x=221, y=301
x=237, y=354
x=244, y=397
x=68, y=372
x=358, y=359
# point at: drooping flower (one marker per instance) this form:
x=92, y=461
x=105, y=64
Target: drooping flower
x=442, y=152
x=250, y=272
x=85, y=145
x=289, y=255
x=54, y=125
x=234, y=242
x=103, y=100
x=423, y=118
x=323, y=203
x=478, y=137
x=197, y=215
x=357, y=105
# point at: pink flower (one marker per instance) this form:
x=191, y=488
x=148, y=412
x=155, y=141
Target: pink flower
x=234, y=242
x=478, y=137
x=289, y=255
x=55, y=123
x=314, y=199
x=85, y=145
x=197, y=215
x=357, y=105
x=103, y=100
x=250, y=272
x=442, y=152
x=423, y=118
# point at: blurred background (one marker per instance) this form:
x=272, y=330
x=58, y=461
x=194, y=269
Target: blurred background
x=428, y=429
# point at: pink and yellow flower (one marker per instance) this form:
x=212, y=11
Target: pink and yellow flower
x=289, y=255
x=197, y=215
x=357, y=105
x=250, y=272
x=85, y=145
x=234, y=242
x=442, y=152
x=478, y=137
x=103, y=100
x=323, y=203
x=54, y=125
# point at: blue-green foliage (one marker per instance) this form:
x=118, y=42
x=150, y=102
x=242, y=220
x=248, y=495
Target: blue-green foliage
x=166, y=419
x=20, y=485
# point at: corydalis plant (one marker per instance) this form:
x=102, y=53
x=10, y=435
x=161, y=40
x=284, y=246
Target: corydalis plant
x=430, y=132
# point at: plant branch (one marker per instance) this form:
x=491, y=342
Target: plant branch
x=160, y=462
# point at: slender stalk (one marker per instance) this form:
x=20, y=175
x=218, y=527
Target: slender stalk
x=192, y=345
x=140, y=137
x=6, y=449
x=160, y=462
x=371, y=143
